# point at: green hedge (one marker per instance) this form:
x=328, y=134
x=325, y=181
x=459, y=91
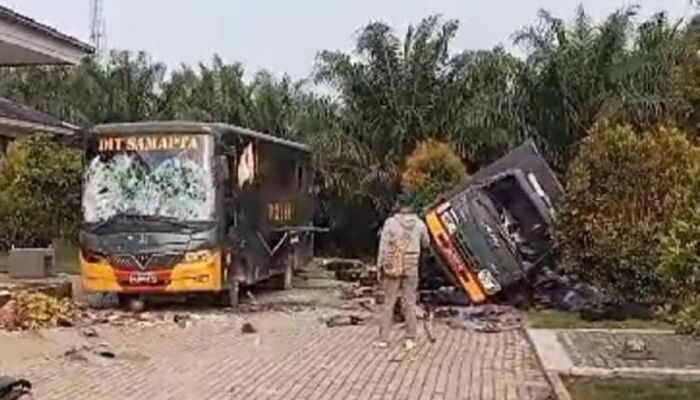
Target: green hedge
x=40, y=192
x=625, y=191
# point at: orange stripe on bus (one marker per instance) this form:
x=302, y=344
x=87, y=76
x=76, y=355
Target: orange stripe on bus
x=462, y=271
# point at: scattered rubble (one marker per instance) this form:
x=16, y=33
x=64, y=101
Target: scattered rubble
x=247, y=327
x=89, y=332
x=352, y=270
x=356, y=292
x=490, y=318
x=345, y=320
x=182, y=320
x=636, y=349
x=337, y=264
x=35, y=310
x=14, y=388
x=98, y=353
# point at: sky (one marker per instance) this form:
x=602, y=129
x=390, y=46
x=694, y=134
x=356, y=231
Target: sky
x=283, y=36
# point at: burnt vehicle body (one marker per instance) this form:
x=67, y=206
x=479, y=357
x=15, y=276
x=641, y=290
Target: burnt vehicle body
x=493, y=232
x=185, y=207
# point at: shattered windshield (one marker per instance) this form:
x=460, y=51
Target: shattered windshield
x=166, y=176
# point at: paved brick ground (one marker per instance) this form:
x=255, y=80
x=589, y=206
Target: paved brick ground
x=292, y=356
x=604, y=350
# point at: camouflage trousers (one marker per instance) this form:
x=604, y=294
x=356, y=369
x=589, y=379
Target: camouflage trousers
x=407, y=288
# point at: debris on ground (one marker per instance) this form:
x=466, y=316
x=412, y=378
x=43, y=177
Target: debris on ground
x=352, y=270
x=89, y=332
x=551, y=290
x=97, y=353
x=636, y=349
x=338, y=264
x=345, y=320
x=5, y=296
x=121, y=318
x=182, y=320
x=490, y=318
x=14, y=388
x=8, y=318
x=250, y=297
x=283, y=307
x=356, y=292
x=35, y=310
x=367, y=304
x=247, y=327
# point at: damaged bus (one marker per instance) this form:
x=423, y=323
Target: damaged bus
x=185, y=207
x=494, y=232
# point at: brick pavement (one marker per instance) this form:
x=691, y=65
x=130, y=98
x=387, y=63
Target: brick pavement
x=292, y=356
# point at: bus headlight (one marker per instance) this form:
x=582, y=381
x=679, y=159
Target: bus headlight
x=196, y=256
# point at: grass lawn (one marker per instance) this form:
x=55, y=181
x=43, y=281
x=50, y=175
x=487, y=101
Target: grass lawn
x=553, y=319
x=631, y=389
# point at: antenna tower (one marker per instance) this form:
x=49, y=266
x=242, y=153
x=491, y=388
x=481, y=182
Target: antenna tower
x=97, y=26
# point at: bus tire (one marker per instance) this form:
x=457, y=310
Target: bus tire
x=123, y=300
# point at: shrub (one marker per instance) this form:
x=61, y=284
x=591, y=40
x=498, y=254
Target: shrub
x=687, y=316
x=680, y=264
x=624, y=191
x=432, y=168
x=40, y=191
x=680, y=255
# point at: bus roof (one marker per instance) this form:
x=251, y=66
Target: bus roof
x=188, y=126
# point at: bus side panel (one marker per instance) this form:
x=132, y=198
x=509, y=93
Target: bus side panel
x=278, y=197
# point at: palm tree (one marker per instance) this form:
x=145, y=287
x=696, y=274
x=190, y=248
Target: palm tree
x=580, y=73
x=213, y=93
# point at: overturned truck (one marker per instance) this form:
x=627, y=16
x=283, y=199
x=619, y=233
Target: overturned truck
x=492, y=233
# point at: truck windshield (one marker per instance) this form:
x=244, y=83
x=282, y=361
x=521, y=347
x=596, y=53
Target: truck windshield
x=162, y=176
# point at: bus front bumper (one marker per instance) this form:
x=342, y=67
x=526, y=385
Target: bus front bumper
x=201, y=276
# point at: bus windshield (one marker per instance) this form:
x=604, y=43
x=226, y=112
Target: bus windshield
x=166, y=176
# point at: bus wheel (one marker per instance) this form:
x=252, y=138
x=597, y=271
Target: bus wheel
x=131, y=302
x=124, y=299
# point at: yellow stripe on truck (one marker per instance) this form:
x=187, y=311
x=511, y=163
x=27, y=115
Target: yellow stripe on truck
x=460, y=269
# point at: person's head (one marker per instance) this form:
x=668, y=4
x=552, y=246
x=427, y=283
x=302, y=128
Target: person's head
x=403, y=203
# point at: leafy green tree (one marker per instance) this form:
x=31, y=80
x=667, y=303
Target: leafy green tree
x=431, y=169
x=624, y=192
x=40, y=182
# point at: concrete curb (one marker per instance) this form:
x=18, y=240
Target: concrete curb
x=637, y=331
x=553, y=378
x=557, y=365
x=558, y=388
x=637, y=373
